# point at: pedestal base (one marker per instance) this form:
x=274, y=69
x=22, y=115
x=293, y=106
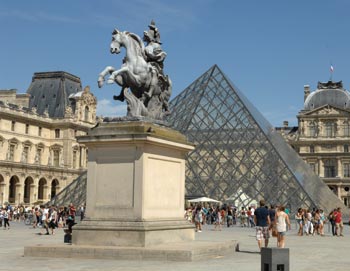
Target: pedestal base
x=132, y=233
x=183, y=251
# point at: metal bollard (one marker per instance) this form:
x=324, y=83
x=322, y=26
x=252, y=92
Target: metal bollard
x=275, y=259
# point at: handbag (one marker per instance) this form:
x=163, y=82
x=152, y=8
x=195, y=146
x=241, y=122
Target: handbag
x=274, y=231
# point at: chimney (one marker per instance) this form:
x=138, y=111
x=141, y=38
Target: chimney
x=306, y=91
x=285, y=124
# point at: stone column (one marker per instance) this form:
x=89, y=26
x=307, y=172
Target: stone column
x=339, y=191
x=2, y=193
x=33, y=191
x=19, y=193
x=6, y=187
x=321, y=168
x=135, y=186
x=47, y=191
x=340, y=168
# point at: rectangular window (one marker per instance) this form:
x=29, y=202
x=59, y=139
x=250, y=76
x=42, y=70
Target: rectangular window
x=40, y=131
x=312, y=131
x=346, y=148
x=313, y=167
x=347, y=130
x=57, y=133
x=312, y=149
x=56, y=158
x=27, y=128
x=346, y=169
x=25, y=155
x=38, y=156
x=13, y=124
x=330, y=169
x=12, y=152
x=330, y=129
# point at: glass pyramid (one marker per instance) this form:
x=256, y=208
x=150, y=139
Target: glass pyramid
x=239, y=156
x=74, y=193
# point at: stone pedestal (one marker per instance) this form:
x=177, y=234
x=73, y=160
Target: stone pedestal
x=135, y=186
x=135, y=199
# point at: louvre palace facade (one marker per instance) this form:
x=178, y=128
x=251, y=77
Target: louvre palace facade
x=322, y=137
x=39, y=153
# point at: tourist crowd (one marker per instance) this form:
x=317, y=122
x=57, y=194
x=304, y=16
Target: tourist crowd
x=268, y=221
x=48, y=218
x=313, y=222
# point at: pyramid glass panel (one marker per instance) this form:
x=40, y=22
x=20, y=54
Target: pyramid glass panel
x=239, y=156
x=74, y=193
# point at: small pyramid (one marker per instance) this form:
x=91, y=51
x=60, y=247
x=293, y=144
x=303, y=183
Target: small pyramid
x=239, y=157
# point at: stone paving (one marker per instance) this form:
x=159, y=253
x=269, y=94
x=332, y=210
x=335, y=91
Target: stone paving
x=306, y=253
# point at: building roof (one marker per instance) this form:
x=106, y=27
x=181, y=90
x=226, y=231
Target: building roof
x=329, y=93
x=50, y=91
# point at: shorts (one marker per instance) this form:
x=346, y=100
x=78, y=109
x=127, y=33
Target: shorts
x=262, y=233
x=282, y=233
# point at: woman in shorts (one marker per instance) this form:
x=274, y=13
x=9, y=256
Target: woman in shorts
x=282, y=220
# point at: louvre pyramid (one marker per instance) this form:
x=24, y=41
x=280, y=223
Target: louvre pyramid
x=239, y=156
x=74, y=193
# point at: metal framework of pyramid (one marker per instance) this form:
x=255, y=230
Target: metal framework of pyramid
x=239, y=156
x=74, y=193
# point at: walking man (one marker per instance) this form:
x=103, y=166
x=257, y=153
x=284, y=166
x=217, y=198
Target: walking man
x=262, y=222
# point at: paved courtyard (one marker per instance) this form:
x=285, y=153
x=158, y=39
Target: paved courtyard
x=306, y=253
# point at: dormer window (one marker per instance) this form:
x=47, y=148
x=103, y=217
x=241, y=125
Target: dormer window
x=57, y=133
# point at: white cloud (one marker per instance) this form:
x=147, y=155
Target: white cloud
x=108, y=108
x=37, y=16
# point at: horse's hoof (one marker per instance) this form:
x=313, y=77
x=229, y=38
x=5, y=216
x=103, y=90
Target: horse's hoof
x=100, y=83
x=118, y=98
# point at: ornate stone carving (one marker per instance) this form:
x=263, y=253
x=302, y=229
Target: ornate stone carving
x=87, y=97
x=330, y=85
x=68, y=111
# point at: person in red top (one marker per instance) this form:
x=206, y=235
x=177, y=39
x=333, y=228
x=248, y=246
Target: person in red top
x=338, y=222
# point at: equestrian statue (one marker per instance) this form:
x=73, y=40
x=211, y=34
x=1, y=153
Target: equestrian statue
x=144, y=85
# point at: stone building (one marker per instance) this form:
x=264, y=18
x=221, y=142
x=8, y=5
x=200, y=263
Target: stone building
x=322, y=137
x=39, y=153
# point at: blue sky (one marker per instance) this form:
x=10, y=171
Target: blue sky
x=269, y=49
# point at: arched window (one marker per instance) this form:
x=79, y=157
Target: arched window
x=27, y=186
x=41, y=188
x=54, y=185
x=13, y=189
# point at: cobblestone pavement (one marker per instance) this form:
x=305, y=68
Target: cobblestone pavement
x=306, y=253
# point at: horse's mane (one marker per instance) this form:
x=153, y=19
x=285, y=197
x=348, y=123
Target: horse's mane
x=139, y=42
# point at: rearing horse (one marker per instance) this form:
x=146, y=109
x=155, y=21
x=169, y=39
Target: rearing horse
x=135, y=73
